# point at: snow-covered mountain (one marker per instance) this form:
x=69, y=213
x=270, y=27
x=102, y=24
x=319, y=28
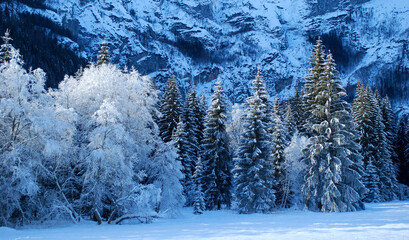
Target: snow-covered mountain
x=201, y=40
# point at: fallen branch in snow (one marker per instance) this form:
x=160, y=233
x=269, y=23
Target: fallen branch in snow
x=147, y=219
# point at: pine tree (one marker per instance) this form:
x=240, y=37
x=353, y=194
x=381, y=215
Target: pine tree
x=298, y=110
x=170, y=109
x=311, y=88
x=103, y=57
x=372, y=182
x=217, y=164
x=254, y=165
x=202, y=117
x=332, y=179
x=368, y=116
x=199, y=204
x=290, y=122
x=383, y=155
x=402, y=151
x=6, y=48
x=279, y=142
x=180, y=140
x=351, y=187
x=390, y=139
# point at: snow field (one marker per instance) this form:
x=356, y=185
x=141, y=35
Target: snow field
x=380, y=221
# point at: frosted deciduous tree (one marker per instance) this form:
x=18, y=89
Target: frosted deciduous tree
x=31, y=140
x=127, y=170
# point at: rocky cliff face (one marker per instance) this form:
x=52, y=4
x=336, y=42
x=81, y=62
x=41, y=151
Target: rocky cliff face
x=201, y=40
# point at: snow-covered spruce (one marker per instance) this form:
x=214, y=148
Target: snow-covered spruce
x=374, y=141
x=327, y=188
x=254, y=164
x=171, y=109
x=216, y=177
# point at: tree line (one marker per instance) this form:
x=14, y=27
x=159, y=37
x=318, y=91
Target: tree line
x=108, y=146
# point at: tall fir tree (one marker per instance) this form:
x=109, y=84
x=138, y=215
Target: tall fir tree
x=368, y=116
x=371, y=180
x=103, y=54
x=402, y=151
x=254, y=165
x=351, y=187
x=216, y=157
x=194, y=127
x=171, y=110
x=331, y=176
x=311, y=88
x=279, y=142
x=297, y=110
x=289, y=121
x=180, y=140
x=199, y=203
x=383, y=155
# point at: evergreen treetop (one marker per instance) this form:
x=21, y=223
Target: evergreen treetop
x=103, y=54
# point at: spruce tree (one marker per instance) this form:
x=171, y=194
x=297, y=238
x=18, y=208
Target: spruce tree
x=297, y=110
x=351, y=187
x=279, y=142
x=368, y=116
x=6, y=48
x=332, y=178
x=103, y=56
x=254, y=165
x=198, y=204
x=311, y=88
x=181, y=142
x=371, y=180
x=171, y=110
x=290, y=122
x=216, y=156
x=402, y=151
x=383, y=155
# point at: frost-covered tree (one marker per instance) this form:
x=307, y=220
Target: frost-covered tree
x=216, y=157
x=32, y=140
x=171, y=110
x=235, y=126
x=127, y=170
x=254, y=164
x=295, y=170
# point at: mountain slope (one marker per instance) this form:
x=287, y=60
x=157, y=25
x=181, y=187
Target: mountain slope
x=201, y=40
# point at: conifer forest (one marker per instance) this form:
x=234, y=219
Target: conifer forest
x=107, y=145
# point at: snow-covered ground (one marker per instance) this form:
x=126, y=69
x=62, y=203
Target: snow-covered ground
x=379, y=221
